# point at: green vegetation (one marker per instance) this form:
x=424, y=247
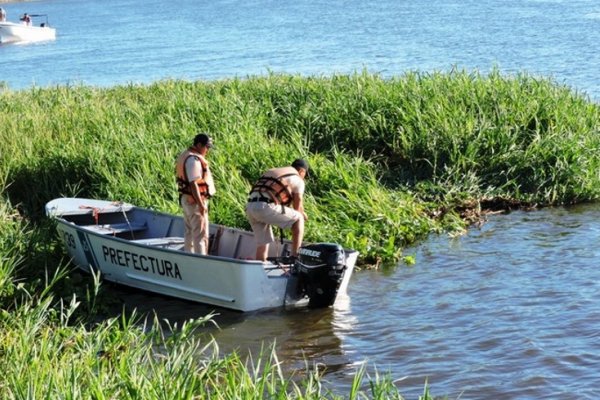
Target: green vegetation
x=393, y=161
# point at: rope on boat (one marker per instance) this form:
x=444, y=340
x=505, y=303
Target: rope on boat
x=127, y=220
x=95, y=211
x=96, y=214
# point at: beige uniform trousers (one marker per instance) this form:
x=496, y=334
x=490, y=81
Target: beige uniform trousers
x=196, y=227
x=262, y=215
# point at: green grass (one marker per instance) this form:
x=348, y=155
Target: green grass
x=393, y=160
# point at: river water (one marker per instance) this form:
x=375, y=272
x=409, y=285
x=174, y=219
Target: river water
x=119, y=41
x=510, y=310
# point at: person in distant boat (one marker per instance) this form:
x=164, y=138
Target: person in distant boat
x=2, y=15
x=26, y=19
x=277, y=199
x=195, y=185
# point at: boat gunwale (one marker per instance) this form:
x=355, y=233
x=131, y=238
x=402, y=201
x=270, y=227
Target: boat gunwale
x=132, y=208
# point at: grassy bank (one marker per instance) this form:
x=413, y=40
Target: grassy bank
x=393, y=160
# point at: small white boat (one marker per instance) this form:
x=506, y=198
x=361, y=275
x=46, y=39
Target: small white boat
x=143, y=248
x=21, y=32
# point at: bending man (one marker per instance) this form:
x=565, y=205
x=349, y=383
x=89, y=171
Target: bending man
x=276, y=199
x=195, y=185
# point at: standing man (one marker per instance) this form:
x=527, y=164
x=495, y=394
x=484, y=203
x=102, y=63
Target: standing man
x=276, y=199
x=26, y=19
x=195, y=185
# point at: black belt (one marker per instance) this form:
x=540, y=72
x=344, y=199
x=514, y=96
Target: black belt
x=261, y=199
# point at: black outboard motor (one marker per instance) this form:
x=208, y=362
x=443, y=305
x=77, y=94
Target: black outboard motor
x=320, y=268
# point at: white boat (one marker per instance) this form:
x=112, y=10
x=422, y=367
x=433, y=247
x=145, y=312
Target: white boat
x=143, y=248
x=21, y=32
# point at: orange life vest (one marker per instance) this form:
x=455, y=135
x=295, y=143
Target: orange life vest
x=271, y=182
x=205, y=183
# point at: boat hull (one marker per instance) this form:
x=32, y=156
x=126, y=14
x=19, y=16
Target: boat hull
x=154, y=261
x=11, y=32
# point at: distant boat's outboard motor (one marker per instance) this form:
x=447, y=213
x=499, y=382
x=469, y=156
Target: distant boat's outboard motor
x=320, y=268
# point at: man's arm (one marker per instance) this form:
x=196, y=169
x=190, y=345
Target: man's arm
x=298, y=204
x=196, y=170
x=197, y=196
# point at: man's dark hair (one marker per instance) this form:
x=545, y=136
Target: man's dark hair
x=203, y=139
x=300, y=163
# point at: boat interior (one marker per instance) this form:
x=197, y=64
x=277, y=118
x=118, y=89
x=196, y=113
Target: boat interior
x=166, y=231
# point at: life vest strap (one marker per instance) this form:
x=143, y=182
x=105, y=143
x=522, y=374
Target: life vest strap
x=268, y=184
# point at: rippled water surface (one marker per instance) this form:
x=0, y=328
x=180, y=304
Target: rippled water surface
x=120, y=41
x=510, y=310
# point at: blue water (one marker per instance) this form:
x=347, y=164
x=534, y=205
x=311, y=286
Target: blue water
x=123, y=41
x=508, y=311
x=511, y=310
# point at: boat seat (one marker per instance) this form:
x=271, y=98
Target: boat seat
x=175, y=243
x=113, y=229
